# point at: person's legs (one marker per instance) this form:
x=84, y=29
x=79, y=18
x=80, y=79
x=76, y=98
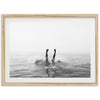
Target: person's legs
x=53, y=59
x=47, y=61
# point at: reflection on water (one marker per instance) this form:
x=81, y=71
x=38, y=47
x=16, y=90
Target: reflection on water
x=67, y=65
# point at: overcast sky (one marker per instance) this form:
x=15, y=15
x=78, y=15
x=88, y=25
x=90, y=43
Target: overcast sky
x=64, y=34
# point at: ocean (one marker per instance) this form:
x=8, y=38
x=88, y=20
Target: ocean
x=67, y=66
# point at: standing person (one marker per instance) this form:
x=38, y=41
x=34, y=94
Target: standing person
x=53, y=59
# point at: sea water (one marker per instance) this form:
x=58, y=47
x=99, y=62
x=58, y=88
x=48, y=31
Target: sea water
x=72, y=65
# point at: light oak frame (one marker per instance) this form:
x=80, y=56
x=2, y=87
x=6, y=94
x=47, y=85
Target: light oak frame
x=49, y=15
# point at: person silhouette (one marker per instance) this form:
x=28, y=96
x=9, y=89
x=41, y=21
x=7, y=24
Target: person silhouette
x=47, y=61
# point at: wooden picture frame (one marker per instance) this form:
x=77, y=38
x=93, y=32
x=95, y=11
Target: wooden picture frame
x=4, y=16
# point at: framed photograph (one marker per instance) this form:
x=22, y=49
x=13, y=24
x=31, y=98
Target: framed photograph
x=50, y=49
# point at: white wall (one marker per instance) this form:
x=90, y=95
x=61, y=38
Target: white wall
x=49, y=92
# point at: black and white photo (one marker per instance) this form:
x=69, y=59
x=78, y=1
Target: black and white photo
x=50, y=49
